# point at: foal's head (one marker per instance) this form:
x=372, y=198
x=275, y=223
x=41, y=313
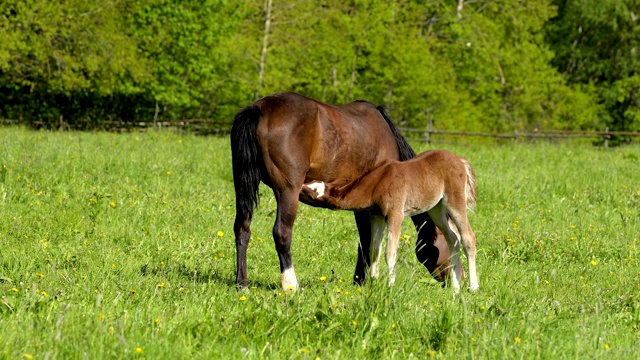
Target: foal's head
x=315, y=193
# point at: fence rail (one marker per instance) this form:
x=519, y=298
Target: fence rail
x=209, y=127
x=606, y=135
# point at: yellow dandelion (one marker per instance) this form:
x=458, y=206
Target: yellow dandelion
x=606, y=346
x=15, y=290
x=27, y=356
x=304, y=351
x=161, y=285
x=40, y=275
x=339, y=291
x=139, y=350
x=113, y=204
x=518, y=340
x=44, y=293
x=354, y=323
x=113, y=266
x=168, y=172
x=243, y=298
x=323, y=278
x=431, y=352
x=42, y=241
x=594, y=263
x=220, y=234
x=134, y=291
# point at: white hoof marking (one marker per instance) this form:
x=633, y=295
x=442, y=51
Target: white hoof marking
x=289, y=281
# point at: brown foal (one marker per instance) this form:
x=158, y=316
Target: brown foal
x=436, y=182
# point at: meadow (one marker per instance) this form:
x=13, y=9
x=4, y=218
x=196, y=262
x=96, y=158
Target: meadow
x=121, y=246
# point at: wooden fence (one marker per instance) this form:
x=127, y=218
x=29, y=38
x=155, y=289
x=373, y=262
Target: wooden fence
x=209, y=127
x=606, y=135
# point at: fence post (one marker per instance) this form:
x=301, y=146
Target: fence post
x=427, y=133
x=606, y=137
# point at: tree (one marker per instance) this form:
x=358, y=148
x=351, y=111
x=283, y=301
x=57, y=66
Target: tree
x=596, y=45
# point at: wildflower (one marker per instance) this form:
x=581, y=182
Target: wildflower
x=243, y=298
x=339, y=291
x=134, y=291
x=44, y=293
x=431, y=352
x=40, y=275
x=518, y=340
x=168, y=172
x=304, y=351
x=27, y=356
x=161, y=285
x=113, y=204
x=43, y=241
x=220, y=234
x=606, y=346
x=594, y=263
x=139, y=350
x=15, y=290
x=323, y=278
x=354, y=323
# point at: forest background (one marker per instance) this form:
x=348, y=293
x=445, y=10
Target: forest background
x=474, y=65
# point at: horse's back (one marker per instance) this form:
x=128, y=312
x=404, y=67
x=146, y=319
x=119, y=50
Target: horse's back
x=304, y=140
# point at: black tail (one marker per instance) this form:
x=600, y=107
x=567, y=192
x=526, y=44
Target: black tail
x=406, y=152
x=245, y=159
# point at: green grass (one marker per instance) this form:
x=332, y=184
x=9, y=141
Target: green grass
x=121, y=246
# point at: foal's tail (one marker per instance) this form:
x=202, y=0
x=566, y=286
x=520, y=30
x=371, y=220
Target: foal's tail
x=245, y=160
x=470, y=189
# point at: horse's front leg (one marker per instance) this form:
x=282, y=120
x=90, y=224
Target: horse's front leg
x=287, y=208
x=363, y=224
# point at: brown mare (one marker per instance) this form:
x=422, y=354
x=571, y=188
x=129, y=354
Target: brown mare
x=286, y=140
x=436, y=182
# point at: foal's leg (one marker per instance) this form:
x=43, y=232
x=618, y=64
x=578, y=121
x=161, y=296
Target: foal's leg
x=468, y=239
x=287, y=200
x=394, y=226
x=377, y=234
x=439, y=216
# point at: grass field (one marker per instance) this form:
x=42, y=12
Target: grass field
x=121, y=246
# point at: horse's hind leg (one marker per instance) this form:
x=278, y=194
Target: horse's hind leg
x=242, y=232
x=287, y=208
